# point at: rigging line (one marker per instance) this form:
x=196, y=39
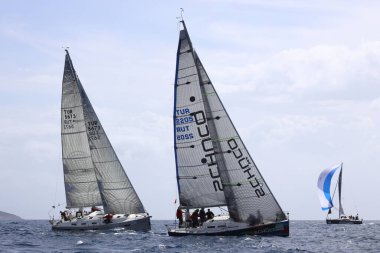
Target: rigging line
x=183, y=116
x=218, y=140
x=101, y=147
x=182, y=11
x=180, y=19
x=182, y=77
x=78, y=132
x=74, y=158
x=210, y=93
x=193, y=103
x=240, y=183
x=70, y=107
x=192, y=66
x=213, y=111
x=56, y=187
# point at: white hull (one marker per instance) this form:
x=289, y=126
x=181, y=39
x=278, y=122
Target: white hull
x=137, y=222
x=226, y=227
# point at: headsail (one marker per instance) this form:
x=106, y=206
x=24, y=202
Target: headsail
x=324, y=187
x=80, y=181
x=248, y=196
x=117, y=192
x=210, y=129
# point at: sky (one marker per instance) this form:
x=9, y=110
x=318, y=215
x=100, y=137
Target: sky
x=299, y=79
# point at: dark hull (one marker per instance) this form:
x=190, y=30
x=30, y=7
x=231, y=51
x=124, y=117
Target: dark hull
x=275, y=229
x=340, y=221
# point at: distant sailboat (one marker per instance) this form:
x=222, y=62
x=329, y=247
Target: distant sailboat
x=213, y=166
x=326, y=198
x=93, y=174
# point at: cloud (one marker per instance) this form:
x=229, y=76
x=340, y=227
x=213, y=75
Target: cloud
x=303, y=73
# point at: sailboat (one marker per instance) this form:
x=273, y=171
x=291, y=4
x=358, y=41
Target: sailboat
x=213, y=166
x=326, y=197
x=93, y=175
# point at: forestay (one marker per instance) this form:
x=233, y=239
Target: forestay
x=80, y=182
x=324, y=186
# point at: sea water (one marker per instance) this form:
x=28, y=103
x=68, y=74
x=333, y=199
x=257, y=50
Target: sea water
x=305, y=236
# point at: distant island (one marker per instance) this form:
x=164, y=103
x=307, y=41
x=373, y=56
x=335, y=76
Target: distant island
x=8, y=216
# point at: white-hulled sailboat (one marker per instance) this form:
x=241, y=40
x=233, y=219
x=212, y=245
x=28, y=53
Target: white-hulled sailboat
x=326, y=198
x=93, y=174
x=213, y=166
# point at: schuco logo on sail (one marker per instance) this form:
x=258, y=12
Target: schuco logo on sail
x=208, y=148
x=244, y=164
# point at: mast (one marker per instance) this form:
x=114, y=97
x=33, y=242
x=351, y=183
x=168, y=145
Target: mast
x=340, y=191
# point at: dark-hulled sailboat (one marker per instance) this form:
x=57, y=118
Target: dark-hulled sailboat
x=93, y=174
x=213, y=166
x=326, y=198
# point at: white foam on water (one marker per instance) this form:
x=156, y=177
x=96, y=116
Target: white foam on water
x=162, y=246
x=79, y=242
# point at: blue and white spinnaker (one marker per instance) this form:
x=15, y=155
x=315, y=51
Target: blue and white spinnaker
x=324, y=185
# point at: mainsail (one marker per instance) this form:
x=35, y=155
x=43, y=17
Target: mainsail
x=198, y=178
x=116, y=191
x=209, y=135
x=340, y=190
x=79, y=175
x=324, y=187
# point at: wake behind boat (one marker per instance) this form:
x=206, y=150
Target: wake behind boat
x=93, y=174
x=214, y=168
x=326, y=198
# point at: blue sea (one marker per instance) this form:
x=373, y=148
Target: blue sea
x=306, y=236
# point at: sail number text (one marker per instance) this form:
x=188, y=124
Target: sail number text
x=68, y=119
x=93, y=128
x=184, y=119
